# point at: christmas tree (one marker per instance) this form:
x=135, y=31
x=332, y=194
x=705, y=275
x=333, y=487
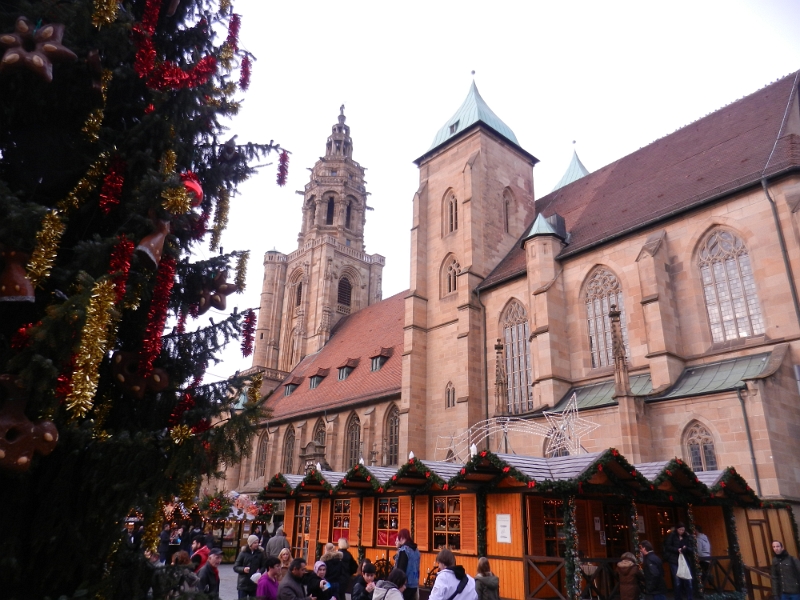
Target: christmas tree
x=114, y=164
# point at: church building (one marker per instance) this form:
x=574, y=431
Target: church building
x=658, y=292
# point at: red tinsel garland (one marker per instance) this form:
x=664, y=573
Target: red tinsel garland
x=21, y=337
x=248, y=333
x=157, y=317
x=120, y=266
x=181, y=326
x=233, y=32
x=168, y=75
x=187, y=403
x=244, y=76
x=111, y=191
x=150, y=16
x=283, y=168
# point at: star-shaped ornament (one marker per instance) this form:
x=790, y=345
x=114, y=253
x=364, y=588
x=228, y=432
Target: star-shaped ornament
x=34, y=49
x=566, y=429
x=216, y=294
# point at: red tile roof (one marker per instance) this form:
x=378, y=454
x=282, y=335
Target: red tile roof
x=355, y=340
x=718, y=154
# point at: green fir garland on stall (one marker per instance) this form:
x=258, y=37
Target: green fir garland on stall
x=314, y=477
x=277, y=481
x=698, y=580
x=360, y=472
x=477, y=460
x=634, y=513
x=572, y=562
x=216, y=507
x=415, y=465
x=733, y=549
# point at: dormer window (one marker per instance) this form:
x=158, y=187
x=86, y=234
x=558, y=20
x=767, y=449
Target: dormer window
x=378, y=362
x=454, y=127
x=289, y=388
x=314, y=381
x=344, y=372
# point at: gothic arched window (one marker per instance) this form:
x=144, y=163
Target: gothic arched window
x=298, y=299
x=449, y=396
x=507, y=206
x=331, y=209
x=392, y=437
x=699, y=446
x=450, y=272
x=603, y=291
x=518, y=358
x=451, y=214
x=320, y=433
x=288, y=451
x=345, y=292
x=729, y=288
x=261, y=456
x=353, y=450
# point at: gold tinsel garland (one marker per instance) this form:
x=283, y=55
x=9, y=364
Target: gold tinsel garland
x=101, y=411
x=92, y=126
x=187, y=492
x=105, y=12
x=224, y=6
x=226, y=56
x=152, y=528
x=176, y=199
x=241, y=271
x=181, y=433
x=94, y=340
x=254, y=391
x=220, y=217
x=85, y=185
x=44, y=254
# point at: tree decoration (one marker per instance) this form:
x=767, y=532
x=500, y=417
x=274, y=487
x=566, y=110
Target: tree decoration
x=95, y=119
x=233, y=32
x=245, y=73
x=47, y=48
x=152, y=246
x=157, y=316
x=224, y=6
x=120, y=267
x=127, y=376
x=94, y=342
x=254, y=391
x=152, y=527
x=47, y=241
x=240, y=280
x=105, y=12
x=14, y=283
x=216, y=293
x=220, y=217
x=193, y=187
x=248, y=332
x=111, y=191
x=283, y=168
x=19, y=438
x=567, y=428
x=181, y=434
x=572, y=564
x=217, y=506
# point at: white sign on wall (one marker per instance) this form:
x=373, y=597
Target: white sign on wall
x=503, y=529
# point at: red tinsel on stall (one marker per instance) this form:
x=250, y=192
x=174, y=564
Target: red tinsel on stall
x=233, y=32
x=157, y=317
x=111, y=191
x=120, y=266
x=244, y=76
x=283, y=168
x=248, y=333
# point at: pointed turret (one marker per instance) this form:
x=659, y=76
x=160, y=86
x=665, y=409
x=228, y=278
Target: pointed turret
x=575, y=171
x=553, y=225
x=339, y=142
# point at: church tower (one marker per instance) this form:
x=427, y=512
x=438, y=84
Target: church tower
x=474, y=199
x=305, y=293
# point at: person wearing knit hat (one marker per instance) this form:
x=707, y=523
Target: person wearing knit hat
x=249, y=562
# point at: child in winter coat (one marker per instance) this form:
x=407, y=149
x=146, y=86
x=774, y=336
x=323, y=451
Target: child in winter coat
x=392, y=587
x=629, y=577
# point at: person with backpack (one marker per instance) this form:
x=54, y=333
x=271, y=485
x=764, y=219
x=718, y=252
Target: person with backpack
x=452, y=581
x=407, y=560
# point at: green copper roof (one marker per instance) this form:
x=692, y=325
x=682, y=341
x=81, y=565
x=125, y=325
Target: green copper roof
x=602, y=394
x=716, y=377
x=575, y=171
x=472, y=111
x=541, y=226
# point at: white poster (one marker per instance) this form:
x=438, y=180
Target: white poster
x=503, y=529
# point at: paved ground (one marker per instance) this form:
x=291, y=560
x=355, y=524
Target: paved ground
x=227, y=582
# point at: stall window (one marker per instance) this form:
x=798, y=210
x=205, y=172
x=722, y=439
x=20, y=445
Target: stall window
x=447, y=522
x=302, y=531
x=341, y=520
x=554, y=534
x=387, y=521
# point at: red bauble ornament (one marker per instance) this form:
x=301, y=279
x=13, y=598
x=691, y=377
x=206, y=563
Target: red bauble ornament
x=192, y=185
x=14, y=283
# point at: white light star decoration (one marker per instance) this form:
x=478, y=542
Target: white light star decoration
x=566, y=430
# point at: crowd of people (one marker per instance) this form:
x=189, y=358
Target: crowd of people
x=266, y=570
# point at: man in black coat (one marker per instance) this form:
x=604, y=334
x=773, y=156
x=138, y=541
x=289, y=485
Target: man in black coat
x=249, y=562
x=785, y=574
x=680, y=543
x=655, y=588
x=291, y=587
x=208, y=583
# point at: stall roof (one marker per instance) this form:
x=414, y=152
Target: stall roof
x=674, y=476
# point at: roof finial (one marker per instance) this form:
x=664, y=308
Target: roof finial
x=341, y=110
x=473, y=74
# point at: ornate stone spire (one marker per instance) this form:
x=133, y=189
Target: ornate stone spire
x=622, y=382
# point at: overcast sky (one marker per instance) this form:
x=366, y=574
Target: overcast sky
x=614, y=76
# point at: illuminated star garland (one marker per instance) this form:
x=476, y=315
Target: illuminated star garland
x=94, y=342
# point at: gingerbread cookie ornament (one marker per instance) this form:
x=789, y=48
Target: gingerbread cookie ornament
x=20, y=438
x=124, y=367
x=34, y=49
x=216, y=294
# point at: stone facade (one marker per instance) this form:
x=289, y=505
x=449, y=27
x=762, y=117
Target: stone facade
x=491, y=276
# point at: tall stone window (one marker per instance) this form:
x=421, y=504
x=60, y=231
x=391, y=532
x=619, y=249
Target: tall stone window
x=288, y=451
x=518, y=358
x=261, y=456
x=353, y=448
x=331, y=211
x=391, y=457
x=449, y=395
x=345, y=292
x=603, y=291
x=298, y=297
x=451, y=214
x=320, y=433
x=508, y=201
x=699, y=445
x=729, y=288
x=348, y=214
x=450, y=272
